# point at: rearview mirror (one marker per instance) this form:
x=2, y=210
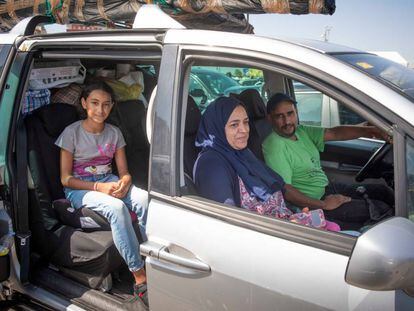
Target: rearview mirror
x=383, y=257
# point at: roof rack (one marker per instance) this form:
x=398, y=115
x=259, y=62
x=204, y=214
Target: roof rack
x=27, y=26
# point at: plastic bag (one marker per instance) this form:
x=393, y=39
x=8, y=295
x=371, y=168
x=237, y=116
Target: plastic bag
x=124, y=92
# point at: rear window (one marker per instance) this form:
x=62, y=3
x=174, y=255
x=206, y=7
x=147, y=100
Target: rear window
x=384, y=70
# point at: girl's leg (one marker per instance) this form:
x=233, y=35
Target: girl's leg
x=118, y=216
x=137, y=201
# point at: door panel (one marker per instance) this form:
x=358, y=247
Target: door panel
x=249, y=270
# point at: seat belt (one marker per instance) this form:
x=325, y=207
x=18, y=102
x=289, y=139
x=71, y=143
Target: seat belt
x=22, y=228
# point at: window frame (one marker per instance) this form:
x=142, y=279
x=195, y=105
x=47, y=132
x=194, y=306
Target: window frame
x=331, y=86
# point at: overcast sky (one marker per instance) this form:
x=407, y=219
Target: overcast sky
x=373, y=25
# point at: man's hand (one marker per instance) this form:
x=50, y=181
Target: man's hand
x=107, y=187
x=122, y=188
x=379, y=134
x=334, y=201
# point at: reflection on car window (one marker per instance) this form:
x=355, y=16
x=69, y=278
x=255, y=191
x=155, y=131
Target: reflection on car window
x=348, y=117
x=209, y=82
x=318, y=109
x=3, y=55
x=383, y=69
x=410, y=177
x=309, y=104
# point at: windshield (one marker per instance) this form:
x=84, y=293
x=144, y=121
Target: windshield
x=216, y=82
x=383, y=69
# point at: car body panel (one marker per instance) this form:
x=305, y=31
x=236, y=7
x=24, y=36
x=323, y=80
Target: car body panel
x=246, y=274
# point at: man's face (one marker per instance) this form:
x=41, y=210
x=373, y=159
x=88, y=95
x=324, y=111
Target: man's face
x=284, y=119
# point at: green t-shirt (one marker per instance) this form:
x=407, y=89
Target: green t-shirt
x=298, y=161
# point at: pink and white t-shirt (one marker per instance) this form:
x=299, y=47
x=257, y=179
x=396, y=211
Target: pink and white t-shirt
x=92, y=153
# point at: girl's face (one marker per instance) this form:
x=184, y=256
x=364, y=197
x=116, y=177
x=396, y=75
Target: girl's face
x=98, y=105
x=237, y=128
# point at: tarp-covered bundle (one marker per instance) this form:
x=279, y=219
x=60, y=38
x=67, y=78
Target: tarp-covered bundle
x=202, y=14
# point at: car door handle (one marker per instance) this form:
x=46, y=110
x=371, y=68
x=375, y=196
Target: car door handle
x=165, y=253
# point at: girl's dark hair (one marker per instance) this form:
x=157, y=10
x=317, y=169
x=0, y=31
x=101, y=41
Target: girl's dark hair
x=97, y=85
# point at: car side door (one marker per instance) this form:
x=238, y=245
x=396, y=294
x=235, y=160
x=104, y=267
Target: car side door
x=210, y=256
x=7, y=53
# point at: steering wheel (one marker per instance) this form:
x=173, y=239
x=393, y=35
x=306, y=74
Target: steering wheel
x=373, y=162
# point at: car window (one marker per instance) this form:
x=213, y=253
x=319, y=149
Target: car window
x=309, y=104
x=384, y=70
x=318, y=109
x=347, y=116
x=209, y=82
x=410, y=177
x=4, y=110
x=4, y=51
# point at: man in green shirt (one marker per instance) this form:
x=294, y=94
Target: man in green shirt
x=292, y=150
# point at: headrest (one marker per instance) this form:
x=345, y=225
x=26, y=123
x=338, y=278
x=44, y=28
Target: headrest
x=55, y=117
x=254, y=104
x=193, y=117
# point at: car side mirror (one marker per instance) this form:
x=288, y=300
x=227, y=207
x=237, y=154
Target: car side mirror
x=197, y=93
x=383, y=257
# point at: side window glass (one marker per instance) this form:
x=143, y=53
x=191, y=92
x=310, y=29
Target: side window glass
x=347, y=116
x=209, y=82
x=4, y=51
x=410, y=177
x=4, y=109
x=309, y=104
x=317, y=109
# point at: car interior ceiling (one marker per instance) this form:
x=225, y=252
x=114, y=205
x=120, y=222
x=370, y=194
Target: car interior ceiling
x=86, y=256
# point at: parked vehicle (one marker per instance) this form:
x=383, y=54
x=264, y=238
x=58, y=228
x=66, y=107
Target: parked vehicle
x=208, y=83
x=202, y=255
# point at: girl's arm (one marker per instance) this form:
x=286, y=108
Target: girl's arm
x=66, y=163
x=122, y=165
x=124, y=176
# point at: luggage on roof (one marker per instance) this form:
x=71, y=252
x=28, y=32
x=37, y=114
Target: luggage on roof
x=216, y=15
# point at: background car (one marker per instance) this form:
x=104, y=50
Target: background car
x=208, y=83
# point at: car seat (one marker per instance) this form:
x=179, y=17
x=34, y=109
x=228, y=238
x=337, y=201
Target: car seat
x=259, y=127
x=88, y=257
x=130, y=117
x=192, y=121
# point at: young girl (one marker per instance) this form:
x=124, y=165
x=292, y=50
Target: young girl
x=87, y=149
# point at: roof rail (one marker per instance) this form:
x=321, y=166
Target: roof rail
x=27, y=26
x=150, y=16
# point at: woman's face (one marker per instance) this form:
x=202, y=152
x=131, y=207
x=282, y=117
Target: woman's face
x=98, y=105
x=237, y=128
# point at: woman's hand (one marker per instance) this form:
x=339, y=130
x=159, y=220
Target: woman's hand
x=107, y=187
x=334, y=201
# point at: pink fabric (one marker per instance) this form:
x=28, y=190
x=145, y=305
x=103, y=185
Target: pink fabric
x=275, y=207
x=134, y=217
x=332, y=226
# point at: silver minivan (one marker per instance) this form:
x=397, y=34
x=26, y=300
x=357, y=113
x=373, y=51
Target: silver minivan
x=200, y=254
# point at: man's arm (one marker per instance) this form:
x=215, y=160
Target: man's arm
x=330, y=202
x=346, y=132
